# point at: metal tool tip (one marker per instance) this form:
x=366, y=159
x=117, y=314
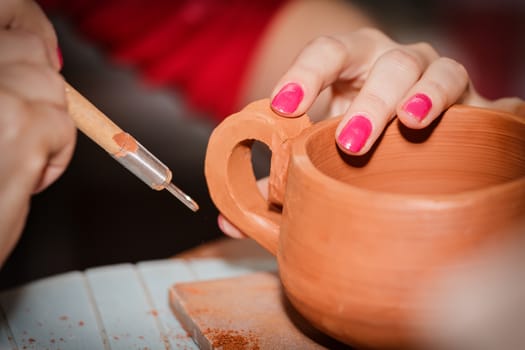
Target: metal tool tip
x=183, y=197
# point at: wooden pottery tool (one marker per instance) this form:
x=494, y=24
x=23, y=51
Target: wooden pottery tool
x=122, y=146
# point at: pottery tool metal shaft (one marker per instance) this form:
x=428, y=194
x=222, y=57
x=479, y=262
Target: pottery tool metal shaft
x=122, y=146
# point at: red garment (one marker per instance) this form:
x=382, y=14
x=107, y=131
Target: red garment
x=200, y=47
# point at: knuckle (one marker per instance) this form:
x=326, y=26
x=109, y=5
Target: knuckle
x=51, y=85
x=35, y=43
x=426, y=48
x=403, y=60
x=33, y=83
x=374, y=99
x=373, y=34
x=455, y=68
x=329, y=44
x=309, y=71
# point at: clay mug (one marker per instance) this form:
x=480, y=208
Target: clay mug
x=358, y=235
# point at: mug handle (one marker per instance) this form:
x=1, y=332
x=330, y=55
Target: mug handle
x=229, y=172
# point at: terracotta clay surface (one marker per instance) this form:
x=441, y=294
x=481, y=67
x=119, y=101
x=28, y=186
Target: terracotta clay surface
x=247, y=312
x=359, y=238
x=226, y=248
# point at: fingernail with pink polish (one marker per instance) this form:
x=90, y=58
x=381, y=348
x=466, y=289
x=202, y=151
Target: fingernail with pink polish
x=288, y=98
x=418, y=106
x=60, y=57
x=355, y=133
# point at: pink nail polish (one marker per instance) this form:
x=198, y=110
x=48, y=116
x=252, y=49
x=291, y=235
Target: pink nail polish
x=288, y=98
x=418, y=106
x=355, y=133
x=60, y=57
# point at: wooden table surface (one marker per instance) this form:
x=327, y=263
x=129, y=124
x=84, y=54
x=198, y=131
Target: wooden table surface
x=122, y=306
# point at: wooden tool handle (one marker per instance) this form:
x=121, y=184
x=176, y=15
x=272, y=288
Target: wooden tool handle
x=92, y=121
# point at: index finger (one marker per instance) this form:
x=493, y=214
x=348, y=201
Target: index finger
x=320, y=64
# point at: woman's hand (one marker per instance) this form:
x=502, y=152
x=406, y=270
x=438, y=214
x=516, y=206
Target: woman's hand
x=37, y=136
x=369, y=79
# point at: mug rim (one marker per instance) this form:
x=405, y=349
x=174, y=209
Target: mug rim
x=301, y=159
